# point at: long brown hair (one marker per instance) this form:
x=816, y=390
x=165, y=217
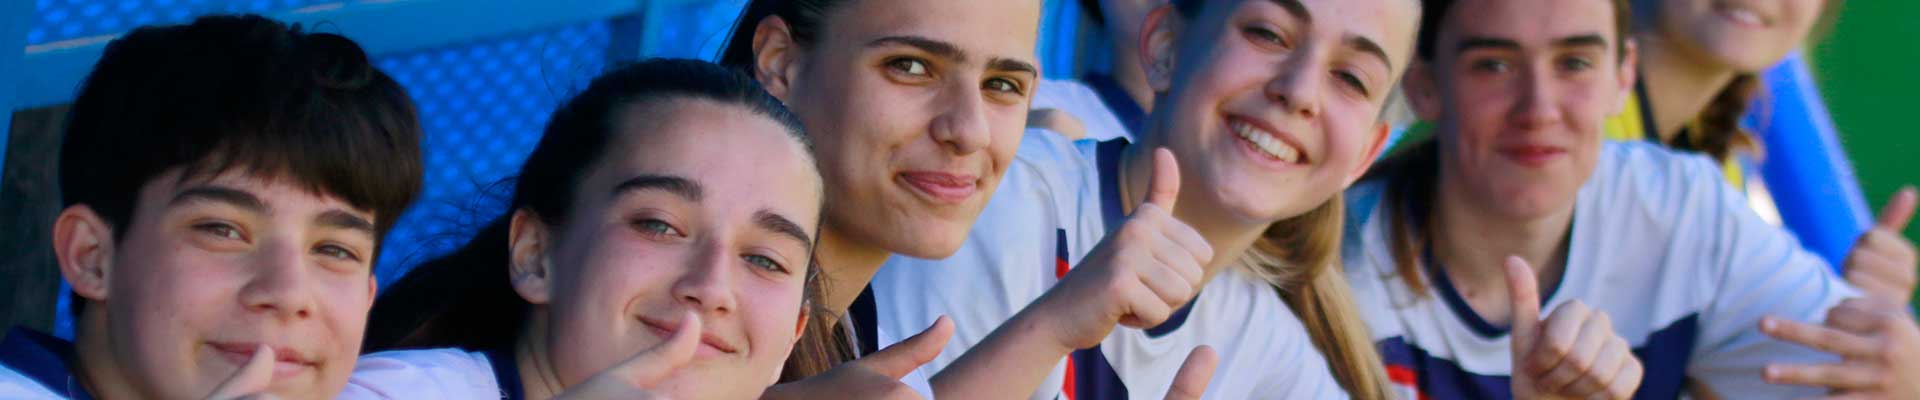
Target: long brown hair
x=1301, y=258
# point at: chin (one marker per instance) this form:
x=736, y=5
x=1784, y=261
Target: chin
x=930, y=245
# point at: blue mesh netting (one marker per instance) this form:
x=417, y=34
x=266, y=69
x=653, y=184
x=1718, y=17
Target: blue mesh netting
x=483, y=106
x=694, y=29
x=56, y=20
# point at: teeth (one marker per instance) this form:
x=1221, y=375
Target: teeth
x=1746, y=16
x=1266, y=142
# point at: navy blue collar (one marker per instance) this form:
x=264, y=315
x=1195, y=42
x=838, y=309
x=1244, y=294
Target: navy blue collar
x=1459, y=304
x=45, y=359
x=506, y=373
x=1128, y=111
x=1113, y=212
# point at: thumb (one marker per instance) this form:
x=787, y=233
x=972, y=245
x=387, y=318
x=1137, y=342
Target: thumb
x=1524, y=290
x=1163, y=188
x=902, y=358
x=1191, y=382
x=654, y=364
x=252, y=378
x=1899, y=210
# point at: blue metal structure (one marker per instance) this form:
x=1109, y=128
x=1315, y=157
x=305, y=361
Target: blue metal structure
x=1805, y=167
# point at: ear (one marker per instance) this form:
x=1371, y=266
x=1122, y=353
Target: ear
x=1423, y=92
x=1157, y=36
x=83, y=245
x=1629, y=74
x=773, y=56
x=528, y=265
x=800, y=328
x=1381, y=132
x=373, y=291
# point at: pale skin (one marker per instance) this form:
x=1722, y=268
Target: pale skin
x=1303, y=74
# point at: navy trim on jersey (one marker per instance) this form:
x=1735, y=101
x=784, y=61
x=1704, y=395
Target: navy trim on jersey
x=1664, y=355
x=1459, y=304
x=1131, y=115
x=1647, y=124
x=43, y=358
x=506, y=373
x=866, y=328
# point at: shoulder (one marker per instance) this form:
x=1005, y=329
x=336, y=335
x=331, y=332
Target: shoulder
x=15, y=385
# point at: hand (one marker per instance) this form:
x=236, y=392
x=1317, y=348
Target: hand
x=1057, y=121
x=251, y=381
x=633, y=378
x=1137, y=276
x=876, y=376
x=1878, y=344
x=1883, y=262
x=1191, y=382
x=1575, y=355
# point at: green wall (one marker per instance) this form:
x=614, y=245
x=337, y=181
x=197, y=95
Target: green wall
x=1869, y=74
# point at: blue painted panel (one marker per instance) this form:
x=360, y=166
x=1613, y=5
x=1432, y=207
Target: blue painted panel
x=1812, y=182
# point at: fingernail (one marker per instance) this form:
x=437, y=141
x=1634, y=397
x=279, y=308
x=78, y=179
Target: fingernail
x=1768, y=324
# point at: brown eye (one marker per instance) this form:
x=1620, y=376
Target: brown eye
x=909, y=66
x=337, y=252
x=220, y=230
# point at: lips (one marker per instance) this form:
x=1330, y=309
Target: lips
x=710, y=345
x=1266, y=143
x=1532, y=155
x=288, y=362
x=942, y=187
x=1742, y=15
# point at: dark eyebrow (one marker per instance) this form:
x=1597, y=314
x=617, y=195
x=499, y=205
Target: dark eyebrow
x=343, y=220
x=938, y=48
x=1587, y=40
x=778, y=224
x=1472, y=43
x=1368, y=46
x=229, y=196
x=1012, y=65
x=683, y=187
x=1294, y=7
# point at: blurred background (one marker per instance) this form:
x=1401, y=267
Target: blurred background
x=485, y=73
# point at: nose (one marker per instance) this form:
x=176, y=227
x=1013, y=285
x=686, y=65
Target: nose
x=961, y=126
x=707, y=282
x=1297, y=84
x=279, y=285
x=1537, y=104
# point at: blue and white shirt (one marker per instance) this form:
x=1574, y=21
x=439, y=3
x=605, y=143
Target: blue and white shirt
x=447, y=373
x=1057, y=201
x=34, y=366
x=1660, y=242
x=1100, y=104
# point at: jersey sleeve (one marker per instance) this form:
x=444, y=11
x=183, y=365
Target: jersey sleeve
x=14, y=385
x=422, y=374
x=1754, y=269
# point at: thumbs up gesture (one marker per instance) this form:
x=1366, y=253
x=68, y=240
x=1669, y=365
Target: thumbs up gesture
x=633, y=379
x=1882, y=262
x=875, y=376
x=251, y=381
x=1574, y=353
x=1137, y=276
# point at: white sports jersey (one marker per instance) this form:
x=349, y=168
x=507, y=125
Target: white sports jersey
x=1083, y=102
x=1659, y=242
x=33, y=366
x=14, y=385
x=434, y=374
x=1057, y=201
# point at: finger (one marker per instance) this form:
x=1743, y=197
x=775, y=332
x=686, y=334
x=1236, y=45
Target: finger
x=902, y=358
x=1627, y=380
x=1559, y=334
x=655, y=364
x=253, y=377
x=1191, y=382
x=1833, y=376
x=1175, y=278
x=1855, y=316
x=1145, y=310
x=1189, y=239
x=1899, y=210
x=1163, y=189
x=1524, y=290
x=1821, y=338
x=1591, y=337
x=1607, y=364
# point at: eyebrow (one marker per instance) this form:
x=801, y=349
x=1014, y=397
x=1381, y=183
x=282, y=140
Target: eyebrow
x=1368, y=46
x=951, y=52
x=216, y=194
x=343, y=220
x=779, y=224
x=683, y=187
x=1587, y=40
x=1472, y=43
x=1012, y=65
x=1294, y=7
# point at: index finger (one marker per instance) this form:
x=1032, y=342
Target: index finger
x=253, y=377
x=1821, y=338
x=655, y=364
x=1191, y=382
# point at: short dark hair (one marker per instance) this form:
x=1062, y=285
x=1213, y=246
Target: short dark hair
x=239, y=93
x=1433, y=14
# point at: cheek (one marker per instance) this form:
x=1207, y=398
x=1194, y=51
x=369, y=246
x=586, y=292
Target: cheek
x=772, y=310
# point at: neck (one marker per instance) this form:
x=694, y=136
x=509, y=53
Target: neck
x=1131, y=78
x=1472, y=242
x=1679, y=87
x=538, y=379
x=1230, y=237
x=846, y=267
x=93, y=364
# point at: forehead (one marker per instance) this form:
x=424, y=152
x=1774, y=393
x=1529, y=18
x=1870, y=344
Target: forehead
x=983, y=29
x=738, y=156
x=281, y=193
x=1389, y=23
x=1530, y=22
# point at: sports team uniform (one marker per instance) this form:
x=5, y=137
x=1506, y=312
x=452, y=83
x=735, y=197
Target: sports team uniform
x=1100, y=104
x=1659, y=242
x=34, y=366
x=1057, y=201
x=452, y=373
x=1635, y=123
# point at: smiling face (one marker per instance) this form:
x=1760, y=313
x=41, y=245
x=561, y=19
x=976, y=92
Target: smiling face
x=1746, y=35
x=915, y=108
x=1520, y=90
x=698, y=207
x=1272, y=105
x=209, y=269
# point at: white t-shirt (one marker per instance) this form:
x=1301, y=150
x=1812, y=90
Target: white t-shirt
x=1058, y=200
x=460, y=374
x=1659, y=242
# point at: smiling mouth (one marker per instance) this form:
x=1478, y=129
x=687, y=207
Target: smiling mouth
x=286, y=364
x=1266, y=142
x=941, y=187
x=1742, y=15
x=710, y=345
